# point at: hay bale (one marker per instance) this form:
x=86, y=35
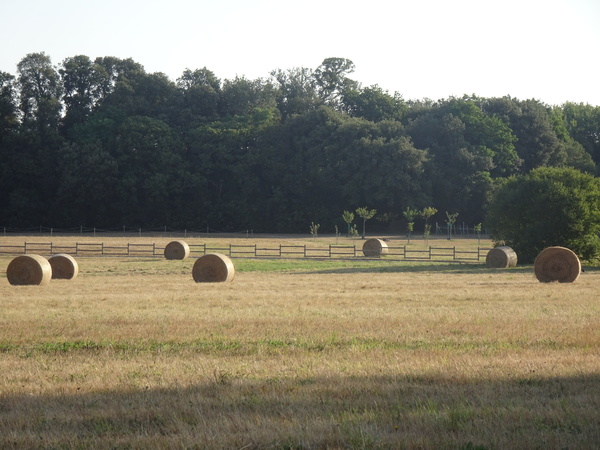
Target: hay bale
x=213, y=268
x=63, y=266
x=375, y=247
x=29, y=270
x=501, y=258
x=177, y=250
x=557, y=264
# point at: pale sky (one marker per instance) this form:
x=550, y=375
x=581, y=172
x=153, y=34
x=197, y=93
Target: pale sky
x=543, y=49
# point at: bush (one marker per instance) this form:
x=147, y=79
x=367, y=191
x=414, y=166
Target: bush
x=547, y=207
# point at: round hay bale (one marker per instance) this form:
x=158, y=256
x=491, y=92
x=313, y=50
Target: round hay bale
x=63, y=266
x=29, y=270
x=177, y=250
x=213, y=268
x=375, y=247
x=501, y=258
x=557, y=264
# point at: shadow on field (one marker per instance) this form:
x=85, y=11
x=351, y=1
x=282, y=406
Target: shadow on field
x=330, y=412
x=425, y=267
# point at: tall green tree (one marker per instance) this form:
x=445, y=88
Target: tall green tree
x=332, y=81
x=575, y=153
x=365, y=214
x=9, y=118
x=201, y=96
x=296, y=91
x=547, y=207
x=582, y=122
x=374, y=104
x=41, y=92
x=537, y=143
x=36, y=148
x=82, y=85
x=150, y=168
x=89, y=187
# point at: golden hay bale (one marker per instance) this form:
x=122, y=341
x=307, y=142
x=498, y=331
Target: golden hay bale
x=177, y=250
x=63, y=266
x=375, y=247
x=29, y=270
x=213, y=268
x=501, y=258
x=557, y=264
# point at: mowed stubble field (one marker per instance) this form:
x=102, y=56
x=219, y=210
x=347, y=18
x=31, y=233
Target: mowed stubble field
x=299, y=354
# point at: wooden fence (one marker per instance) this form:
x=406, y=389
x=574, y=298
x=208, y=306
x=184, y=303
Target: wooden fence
x=248, y=251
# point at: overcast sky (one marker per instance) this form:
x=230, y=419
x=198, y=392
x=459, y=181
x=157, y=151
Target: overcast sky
x=543, y=49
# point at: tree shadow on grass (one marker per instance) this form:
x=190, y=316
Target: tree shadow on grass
x=404, y=411
x=408, y=267
x=457, y=268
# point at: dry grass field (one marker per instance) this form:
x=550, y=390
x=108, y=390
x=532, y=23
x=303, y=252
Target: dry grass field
x=300, y=354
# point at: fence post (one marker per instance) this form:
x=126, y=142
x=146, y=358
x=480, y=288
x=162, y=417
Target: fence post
x=453, y=253
x=102, y=249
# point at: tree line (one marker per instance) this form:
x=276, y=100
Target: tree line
x=104, y=143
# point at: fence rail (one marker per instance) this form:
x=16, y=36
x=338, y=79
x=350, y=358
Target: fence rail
x=247, y=251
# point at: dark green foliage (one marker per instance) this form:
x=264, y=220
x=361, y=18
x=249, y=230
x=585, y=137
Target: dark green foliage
x=103, y=143
x=547, y=207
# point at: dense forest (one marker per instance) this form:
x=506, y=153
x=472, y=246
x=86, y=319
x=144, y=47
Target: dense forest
x=103, y=143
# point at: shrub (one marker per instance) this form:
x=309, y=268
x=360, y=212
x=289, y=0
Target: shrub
x=547, y=207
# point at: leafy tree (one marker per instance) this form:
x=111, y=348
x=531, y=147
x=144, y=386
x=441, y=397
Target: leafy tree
x=547, y=207
x=118, y=74
x=450, y=221
x=332, y=81
x=410, y=214
x=82, y=83
x=41, y=92
x=201, y=95
x=296, y=92
x=537, y=143
x=458, y=172
x=241, y=96
x=576, y=155
x=314, y=229
x=375, y=104
x=365, y=214
x=348, y=217
x=9, y=123
x=477, y=229
x=8, y=104
x=88, y=188
x=582, y=122
x=150, y=168
x=426, y=214
x=36, y=148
